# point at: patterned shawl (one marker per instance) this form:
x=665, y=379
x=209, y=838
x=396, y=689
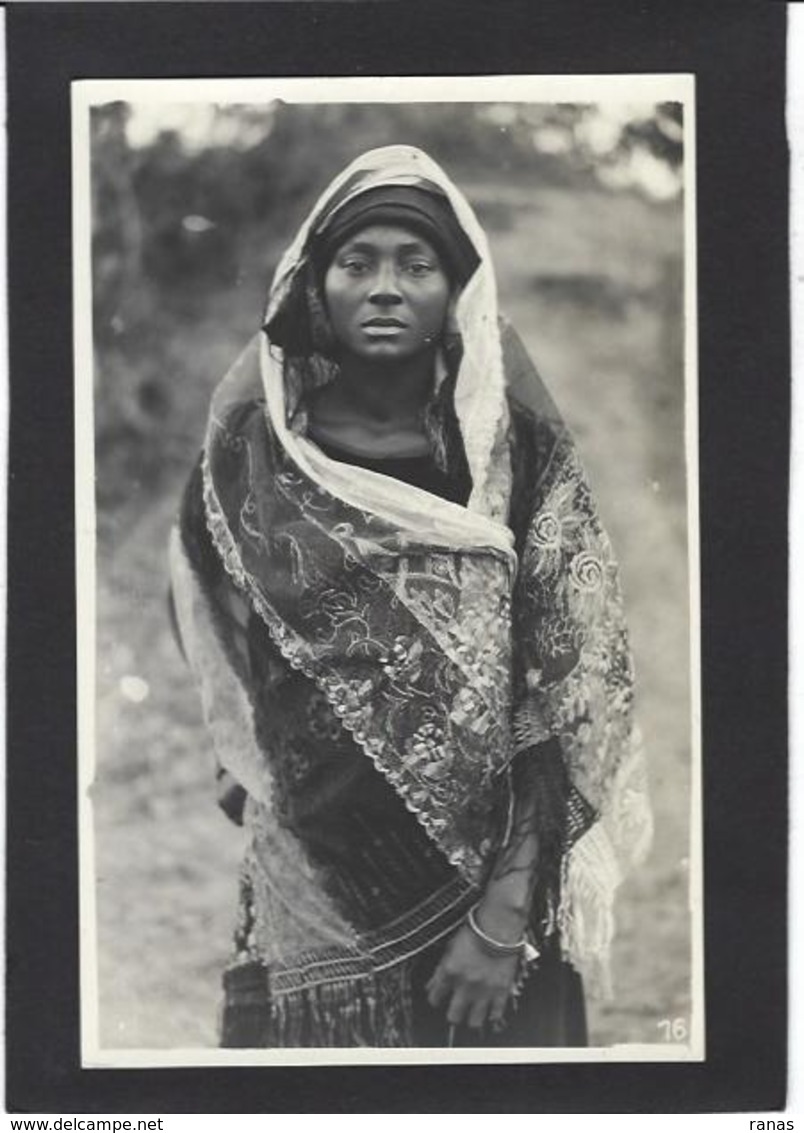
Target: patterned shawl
x=448, y=641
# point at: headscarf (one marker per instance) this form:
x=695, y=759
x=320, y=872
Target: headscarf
x=479, y=393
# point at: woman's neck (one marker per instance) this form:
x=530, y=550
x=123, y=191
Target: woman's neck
x=375, y=408
x=384, y=393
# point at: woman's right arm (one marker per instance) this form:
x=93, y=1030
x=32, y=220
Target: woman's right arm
x=231, y=795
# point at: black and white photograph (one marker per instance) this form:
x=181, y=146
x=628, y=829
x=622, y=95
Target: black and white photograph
x=388, y=570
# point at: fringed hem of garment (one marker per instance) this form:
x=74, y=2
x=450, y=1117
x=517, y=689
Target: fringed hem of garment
x=371, y=1011
x=590, y=877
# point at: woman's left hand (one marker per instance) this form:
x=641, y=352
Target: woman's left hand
x=475, y=985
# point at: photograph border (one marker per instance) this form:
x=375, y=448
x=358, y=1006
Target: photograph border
x=525, y=89
x=737, y=59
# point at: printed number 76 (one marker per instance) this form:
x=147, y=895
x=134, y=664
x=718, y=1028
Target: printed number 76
x=675, y=1029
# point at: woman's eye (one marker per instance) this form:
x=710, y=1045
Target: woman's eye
x=419, y=267
x=355, y=267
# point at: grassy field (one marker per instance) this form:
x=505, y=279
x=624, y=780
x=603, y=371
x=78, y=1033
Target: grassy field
x=592, y=280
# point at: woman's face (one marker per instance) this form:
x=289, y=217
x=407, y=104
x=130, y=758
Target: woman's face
x=387, y=294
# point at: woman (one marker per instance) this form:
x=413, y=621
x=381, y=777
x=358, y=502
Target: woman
x=404, y=617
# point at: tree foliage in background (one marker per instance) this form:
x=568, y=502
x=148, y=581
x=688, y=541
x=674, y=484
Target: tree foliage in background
x=186, y=235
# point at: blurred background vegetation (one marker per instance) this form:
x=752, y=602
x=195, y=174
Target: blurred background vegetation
x=192, y=206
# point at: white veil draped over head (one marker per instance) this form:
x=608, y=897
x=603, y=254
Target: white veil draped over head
x=480, y=390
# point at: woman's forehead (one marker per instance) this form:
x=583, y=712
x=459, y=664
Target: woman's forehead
x=387, y=237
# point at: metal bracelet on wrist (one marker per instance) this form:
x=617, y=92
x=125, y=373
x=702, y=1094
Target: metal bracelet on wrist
x=495, y=947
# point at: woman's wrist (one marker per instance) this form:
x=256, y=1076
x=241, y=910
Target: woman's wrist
x=492, y=945
x=503, y=916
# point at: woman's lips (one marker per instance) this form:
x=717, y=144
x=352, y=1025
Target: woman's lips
x=382, y=322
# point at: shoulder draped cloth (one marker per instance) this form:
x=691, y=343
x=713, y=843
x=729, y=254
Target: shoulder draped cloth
x=448, y=641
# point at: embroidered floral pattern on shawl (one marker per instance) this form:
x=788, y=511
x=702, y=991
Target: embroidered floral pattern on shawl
x=410, y=644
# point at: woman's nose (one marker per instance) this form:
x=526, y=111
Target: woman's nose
x=385, y=285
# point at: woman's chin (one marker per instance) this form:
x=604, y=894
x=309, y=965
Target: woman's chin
x=391, y=349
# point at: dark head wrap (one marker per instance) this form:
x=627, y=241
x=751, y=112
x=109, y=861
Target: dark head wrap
x=423, y=210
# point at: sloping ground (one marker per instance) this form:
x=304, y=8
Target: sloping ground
x=592, y=282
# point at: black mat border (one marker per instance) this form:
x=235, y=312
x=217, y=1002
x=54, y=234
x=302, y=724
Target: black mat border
x=736, y=52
